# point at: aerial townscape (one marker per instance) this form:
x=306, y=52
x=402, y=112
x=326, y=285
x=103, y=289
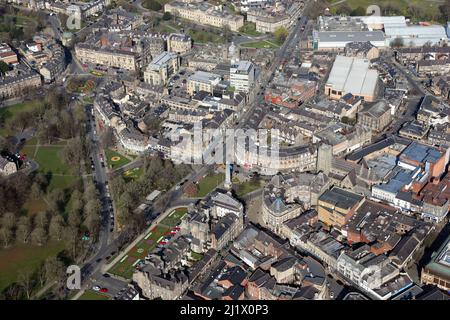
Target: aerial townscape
x=224, y=150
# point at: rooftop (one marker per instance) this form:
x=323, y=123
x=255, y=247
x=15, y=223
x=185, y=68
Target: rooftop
x=341, y=198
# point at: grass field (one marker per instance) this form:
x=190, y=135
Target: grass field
x=18, y=258
x=427, y=8
x=209, y=183
x=9, y=112
x=92, y=295
x=118, y=162
x=246, y=187
x=125, y=268
x=174, y=218
x=50, y=163
x=200, y=36
x=263, y=44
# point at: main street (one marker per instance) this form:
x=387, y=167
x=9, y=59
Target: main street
x=94, y=268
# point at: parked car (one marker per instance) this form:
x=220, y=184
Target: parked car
x=96, y=288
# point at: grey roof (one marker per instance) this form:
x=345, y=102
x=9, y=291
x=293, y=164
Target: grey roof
x=341, y=198
x=353, y=75
x=352, y=36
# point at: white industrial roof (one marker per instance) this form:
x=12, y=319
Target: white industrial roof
x=385, y=20
x=353, y=75
x=434, y=31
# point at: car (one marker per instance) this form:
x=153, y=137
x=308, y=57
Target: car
x=111, y=230
x=105, y=275
x=104, y=290
x=96, y=288
x=98, y=260
x=163, y=243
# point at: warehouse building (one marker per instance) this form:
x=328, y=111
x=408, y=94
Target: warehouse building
x=352, y=75
x=337, y=40
x=416, y=36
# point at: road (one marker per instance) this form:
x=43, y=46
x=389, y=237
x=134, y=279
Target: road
x=267, y=76
x=92, y=270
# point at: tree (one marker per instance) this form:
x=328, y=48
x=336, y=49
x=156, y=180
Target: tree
x=445, y=10
x=36, y=191
x=359, y=11
x=39, y=236
x=280, y=34
x=8, y=220
x=413, y=10
x=167, y=16
x=55, y=200
x=3, y=68
x=52, y=269
x=41, y=220
x=152, y=5
x=227, y=34
x=56, y=227
x=6, y=236
x=25, y=282
x=107, y=138
x=397, y=43
x=23, y=229
x=344, y=9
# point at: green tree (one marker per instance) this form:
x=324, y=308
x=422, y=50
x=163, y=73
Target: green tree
x=167, y=16
x=359, y=11
x=3, y=68
x=152, y=5
x=280, y=34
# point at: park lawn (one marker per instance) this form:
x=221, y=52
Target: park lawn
x=167, y=27
x=209, y=183
x=29, y=151
x=133, y=174
x=49, y=160
x=51, y=164
x=174, y=218
x=109, y=154
x=18, y=258
x=124, y=268
x=426, y=7
x=11, y=111
x=92, y=295
x=200, y=36
x=263, y=44
x=247, y=187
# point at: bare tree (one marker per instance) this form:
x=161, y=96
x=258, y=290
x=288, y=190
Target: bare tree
x=39, y=236
x=56, y=227
x=25, y=282
x=23, y=229
x=6, y=236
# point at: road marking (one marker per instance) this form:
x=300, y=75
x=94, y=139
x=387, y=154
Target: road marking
x=171, y=213
x=160, y=239
x=147, y=236
x=123, y=259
